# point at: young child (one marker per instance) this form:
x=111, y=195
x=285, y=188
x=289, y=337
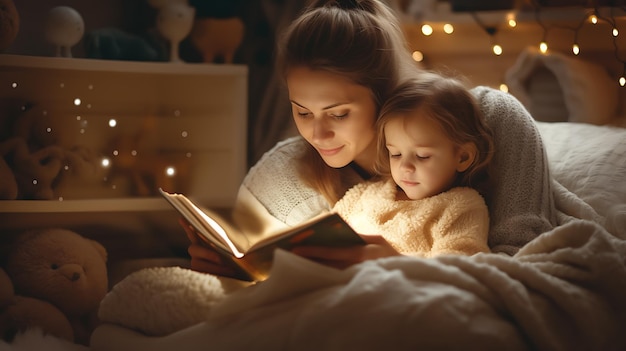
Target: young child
x=434, y=143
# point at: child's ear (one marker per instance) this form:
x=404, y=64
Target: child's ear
x=466, y=155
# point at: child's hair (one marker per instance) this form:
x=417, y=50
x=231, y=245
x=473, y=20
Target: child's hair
x=447, y=101
x=360, y=40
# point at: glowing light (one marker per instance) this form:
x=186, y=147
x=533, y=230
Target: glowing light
x=78, y=118
x=622, y=81
x=512, y=23
x=184, y=134
x=448, y=28
x=427, y=29
x=35, y=182
x=615, y=32
x=105, y=162
x=112, y=122
x=575, y=49
x=593, y=19
x=504, y=88
x=14, y=85
x=497, y=49
x=417, y=56
x=133, y=153
x=170, y=171
x=77, y=102
x=66, y=167
x=48, y=129
x=543, y=47
x=115, y=152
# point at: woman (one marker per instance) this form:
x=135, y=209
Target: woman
x=341, y=60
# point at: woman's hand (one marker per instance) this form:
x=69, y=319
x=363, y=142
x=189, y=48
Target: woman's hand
x=203, y=258
x=343, y=257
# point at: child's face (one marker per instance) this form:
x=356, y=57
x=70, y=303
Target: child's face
x=423, y=161
x=334, y=115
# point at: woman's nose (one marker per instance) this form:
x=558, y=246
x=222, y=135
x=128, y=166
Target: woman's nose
x=321, y=130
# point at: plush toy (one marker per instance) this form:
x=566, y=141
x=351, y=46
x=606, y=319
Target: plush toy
x=20, y=313
x=217, y=38
x=162, y=300
x=64, y=269
x=9, y=23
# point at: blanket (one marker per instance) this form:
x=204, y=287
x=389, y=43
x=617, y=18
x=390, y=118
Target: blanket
x=563, y=291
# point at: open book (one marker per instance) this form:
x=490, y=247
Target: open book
x=251, y=255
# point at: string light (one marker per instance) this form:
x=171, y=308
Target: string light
x=427, y=29
x=491, y=31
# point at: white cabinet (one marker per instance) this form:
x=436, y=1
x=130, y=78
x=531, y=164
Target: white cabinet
x=117, y=128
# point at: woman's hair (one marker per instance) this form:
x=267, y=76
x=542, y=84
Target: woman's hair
x=448, y=102
x=360, y=40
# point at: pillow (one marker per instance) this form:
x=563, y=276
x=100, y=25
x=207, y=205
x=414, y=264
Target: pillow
x=161, y=300
x=589, y=161
x=589, y=93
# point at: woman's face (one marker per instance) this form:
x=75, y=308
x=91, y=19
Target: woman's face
x=334, y=115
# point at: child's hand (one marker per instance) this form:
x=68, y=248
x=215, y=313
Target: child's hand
x=343, y=257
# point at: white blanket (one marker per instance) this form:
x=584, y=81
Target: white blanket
x=563, y=291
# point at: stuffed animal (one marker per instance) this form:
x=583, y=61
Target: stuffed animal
x=159, y=301
x=9, y=23
x=20, y=313
x=64, y=269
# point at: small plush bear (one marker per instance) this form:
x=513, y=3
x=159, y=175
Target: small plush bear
x=63, y=268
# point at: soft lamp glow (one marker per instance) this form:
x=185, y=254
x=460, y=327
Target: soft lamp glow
x=170, y=171
x=105, y=162
x=615, y=32
x=593, y=19
x=504, y=88
x=112, y=122
x=575, y=49
x=543, y=47
x=622, y=81
x=77, y=102
x=448, y=28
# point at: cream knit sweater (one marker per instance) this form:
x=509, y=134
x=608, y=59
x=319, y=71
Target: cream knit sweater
x=453, y=222
x=521, y=207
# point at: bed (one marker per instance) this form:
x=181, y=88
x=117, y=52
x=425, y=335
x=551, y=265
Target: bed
x=562, y=291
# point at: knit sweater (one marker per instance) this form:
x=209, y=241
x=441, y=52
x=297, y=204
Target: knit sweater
x=453, y=222
x=520, y=208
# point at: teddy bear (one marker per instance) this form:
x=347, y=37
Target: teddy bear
x=21, y=313
x=64, y=269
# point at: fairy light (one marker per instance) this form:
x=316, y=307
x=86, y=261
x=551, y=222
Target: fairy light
x=593, y=19
x=496, y=48
x=112, y=122
x=448, y=28
x=170, y=171
x=427, y=29
x=77, y=102
x=417, y=56
x=576, y=49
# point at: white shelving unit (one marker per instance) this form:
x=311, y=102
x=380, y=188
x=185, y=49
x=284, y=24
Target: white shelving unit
x=193, y=116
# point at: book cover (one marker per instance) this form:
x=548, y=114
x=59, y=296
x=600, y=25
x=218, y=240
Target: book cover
x=253, y=260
